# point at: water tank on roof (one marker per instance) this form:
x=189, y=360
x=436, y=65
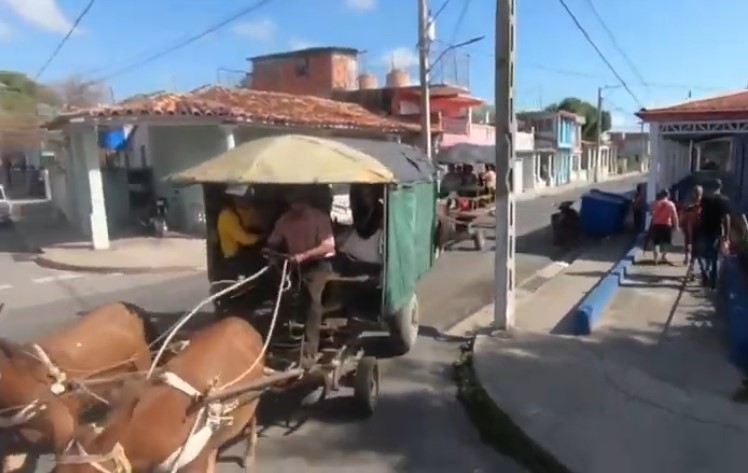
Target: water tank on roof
x=398, y=78
x=367, y=81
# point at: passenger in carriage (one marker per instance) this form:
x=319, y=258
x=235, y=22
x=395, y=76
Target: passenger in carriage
x=240, y=233
x=361, y=249
x=306, y=234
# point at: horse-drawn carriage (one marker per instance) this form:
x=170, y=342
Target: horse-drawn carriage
x=203, y=389
x=462, y=208
x=378, y=297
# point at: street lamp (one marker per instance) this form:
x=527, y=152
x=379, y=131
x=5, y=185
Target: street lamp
x=453, y=47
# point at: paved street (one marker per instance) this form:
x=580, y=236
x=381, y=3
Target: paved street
x=463, y=279
x=418, y=427
x=23, y=283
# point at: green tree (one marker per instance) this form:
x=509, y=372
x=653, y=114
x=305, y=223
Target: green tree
x=20, y=94
x=479, y=114
x=588, y=111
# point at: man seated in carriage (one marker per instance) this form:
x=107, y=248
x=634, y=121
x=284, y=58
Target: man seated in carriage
x=306, y=233
x=240, y=233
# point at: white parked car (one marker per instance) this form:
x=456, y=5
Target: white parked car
x=6, y=207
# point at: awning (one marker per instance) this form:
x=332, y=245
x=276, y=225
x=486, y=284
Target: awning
x=289, y=159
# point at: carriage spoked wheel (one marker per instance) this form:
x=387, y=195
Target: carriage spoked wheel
x=366, y=384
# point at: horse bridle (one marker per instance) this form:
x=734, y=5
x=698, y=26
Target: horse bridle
x=26, y=413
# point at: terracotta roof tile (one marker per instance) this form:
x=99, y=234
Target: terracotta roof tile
x=249, y=106
x=729, y=105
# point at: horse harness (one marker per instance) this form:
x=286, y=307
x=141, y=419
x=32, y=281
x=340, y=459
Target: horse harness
x=210, y=418
x=26, y=413
x=96, y=461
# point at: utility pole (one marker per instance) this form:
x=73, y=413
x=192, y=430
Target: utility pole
x=599, y=128
x=645, y=146
x=505, y=134
x=424, y=42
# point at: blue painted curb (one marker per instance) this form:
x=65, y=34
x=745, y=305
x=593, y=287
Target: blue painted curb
x=736, y=308
x=593, y=305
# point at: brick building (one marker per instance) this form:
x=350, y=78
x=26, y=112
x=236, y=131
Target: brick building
x=312, y=71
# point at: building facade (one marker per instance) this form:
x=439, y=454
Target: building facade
x=335, y=73
x=630, y=144
x=709, y=133
x=559, y=135
x=103, y=191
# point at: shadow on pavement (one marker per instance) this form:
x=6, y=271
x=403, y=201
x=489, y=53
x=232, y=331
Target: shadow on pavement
x=417, y=427
x=663, y=387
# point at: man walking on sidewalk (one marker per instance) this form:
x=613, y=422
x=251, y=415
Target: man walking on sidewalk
x=712, y=234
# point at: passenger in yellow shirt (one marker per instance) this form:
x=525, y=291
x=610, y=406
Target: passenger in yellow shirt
x=240, y=235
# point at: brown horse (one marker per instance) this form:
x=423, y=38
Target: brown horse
x=165, y=424
x=40, y=395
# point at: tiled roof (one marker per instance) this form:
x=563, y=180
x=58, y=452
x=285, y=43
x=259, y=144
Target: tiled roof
x=247, y=106
x=730, y=105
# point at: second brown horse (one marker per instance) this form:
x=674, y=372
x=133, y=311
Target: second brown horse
x=165, y=425
x=39, y=402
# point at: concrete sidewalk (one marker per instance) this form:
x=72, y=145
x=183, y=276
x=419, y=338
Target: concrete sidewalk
x=649, y=391
x=545, y=302
x=127, y=255
x=42, y=231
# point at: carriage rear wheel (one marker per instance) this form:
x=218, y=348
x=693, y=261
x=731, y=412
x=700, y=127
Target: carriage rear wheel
x=403, y=327
x=366, y=384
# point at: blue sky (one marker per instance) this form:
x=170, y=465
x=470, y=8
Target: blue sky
x=675, y=45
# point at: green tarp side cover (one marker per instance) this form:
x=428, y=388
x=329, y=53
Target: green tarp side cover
x=411, y=230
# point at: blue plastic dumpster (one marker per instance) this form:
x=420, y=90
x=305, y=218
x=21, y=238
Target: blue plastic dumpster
x=603, y=213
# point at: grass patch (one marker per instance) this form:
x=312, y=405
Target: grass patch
x=496, y=428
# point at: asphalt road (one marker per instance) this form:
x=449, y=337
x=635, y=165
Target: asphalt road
x=418, y=426
x=462, y=281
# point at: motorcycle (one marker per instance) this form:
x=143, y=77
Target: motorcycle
x=156, y=221
x=565, y=224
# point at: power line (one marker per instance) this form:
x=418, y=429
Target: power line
x=460, y=20
x=439, y=11
x=186, y=42
x=589, y=75
x=615, y=43
x=64, y=39
x=599, y=53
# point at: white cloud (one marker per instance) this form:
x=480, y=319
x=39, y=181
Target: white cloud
x=401, y=58
x=362, y=5
x=44, y=14
x=296, y=43
x=260, y=30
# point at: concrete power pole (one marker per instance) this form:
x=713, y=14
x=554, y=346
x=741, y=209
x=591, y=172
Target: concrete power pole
x=505, y=134
x=599, y=129
x=424, y=42
x=645, y=147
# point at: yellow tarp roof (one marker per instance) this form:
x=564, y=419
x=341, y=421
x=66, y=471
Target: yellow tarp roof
x=288, y=159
